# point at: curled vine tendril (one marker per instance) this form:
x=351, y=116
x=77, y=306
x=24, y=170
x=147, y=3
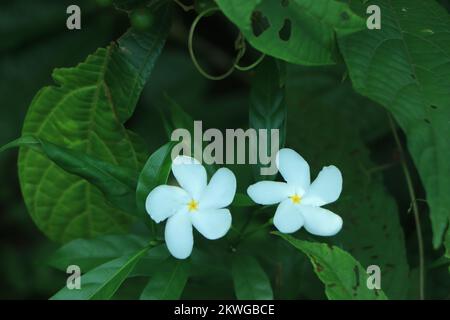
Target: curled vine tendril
x=239, y=45
x=251, y=66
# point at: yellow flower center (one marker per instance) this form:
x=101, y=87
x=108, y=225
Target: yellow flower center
x=295, y=198
x=192, y=205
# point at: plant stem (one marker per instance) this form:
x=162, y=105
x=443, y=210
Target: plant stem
x=415, y=209
x=185, y=7
x=263, y=226
x=242, y=234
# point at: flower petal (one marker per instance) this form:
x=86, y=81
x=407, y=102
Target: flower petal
x=288, y=218
x=164, y=201
x=325, y=189
x=294, y=169
x=213, y=223
x=269, y=192
x=178, y=235
x=320, y=221
x=190, y=174
x=220, y=190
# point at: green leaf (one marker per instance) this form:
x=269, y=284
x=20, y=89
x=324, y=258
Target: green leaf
x=242, y=200
x=343, y=276
x=178, y=118
x=447, y=247
x=117, y=184
x=156, y=172
x=297, y=31
x=268, y=109
x=102, y=282
x=405, y=67
x=168, y=283
x=90, y=253
x=250, y=280
x=86, y=112
x=327, y=86
x=326, y=134
x=151, y=262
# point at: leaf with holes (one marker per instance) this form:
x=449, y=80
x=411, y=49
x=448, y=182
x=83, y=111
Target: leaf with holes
x=324, y=135
x=343, y=276
x=86, y=112
x=297, y=31
x=405, y=66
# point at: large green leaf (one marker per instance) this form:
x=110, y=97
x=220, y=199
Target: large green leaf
x=268, y=109
x=405, y=66
x=298, y=31
x=90, y=253
x=250, y=280
x=102, y=282
x=343, y=276
x=324, y=135
x=117, y=184
x=86, y=112
x=168, y=282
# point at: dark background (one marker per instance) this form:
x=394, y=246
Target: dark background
x=35, y=40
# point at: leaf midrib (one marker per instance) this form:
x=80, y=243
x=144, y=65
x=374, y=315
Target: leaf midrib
x=125, y=265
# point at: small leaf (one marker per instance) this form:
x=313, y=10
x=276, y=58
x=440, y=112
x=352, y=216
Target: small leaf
x=156, y=172
x=178, y=118
x=102, y=282
x=168, y=282
x=343, y=276
x=250, y=280
x=268, y=109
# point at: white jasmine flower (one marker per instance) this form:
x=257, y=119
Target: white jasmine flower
x=194, y=203
x=299, y=200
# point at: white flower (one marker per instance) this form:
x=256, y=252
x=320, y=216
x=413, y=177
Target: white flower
x=194, y=204
x=301, y=201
